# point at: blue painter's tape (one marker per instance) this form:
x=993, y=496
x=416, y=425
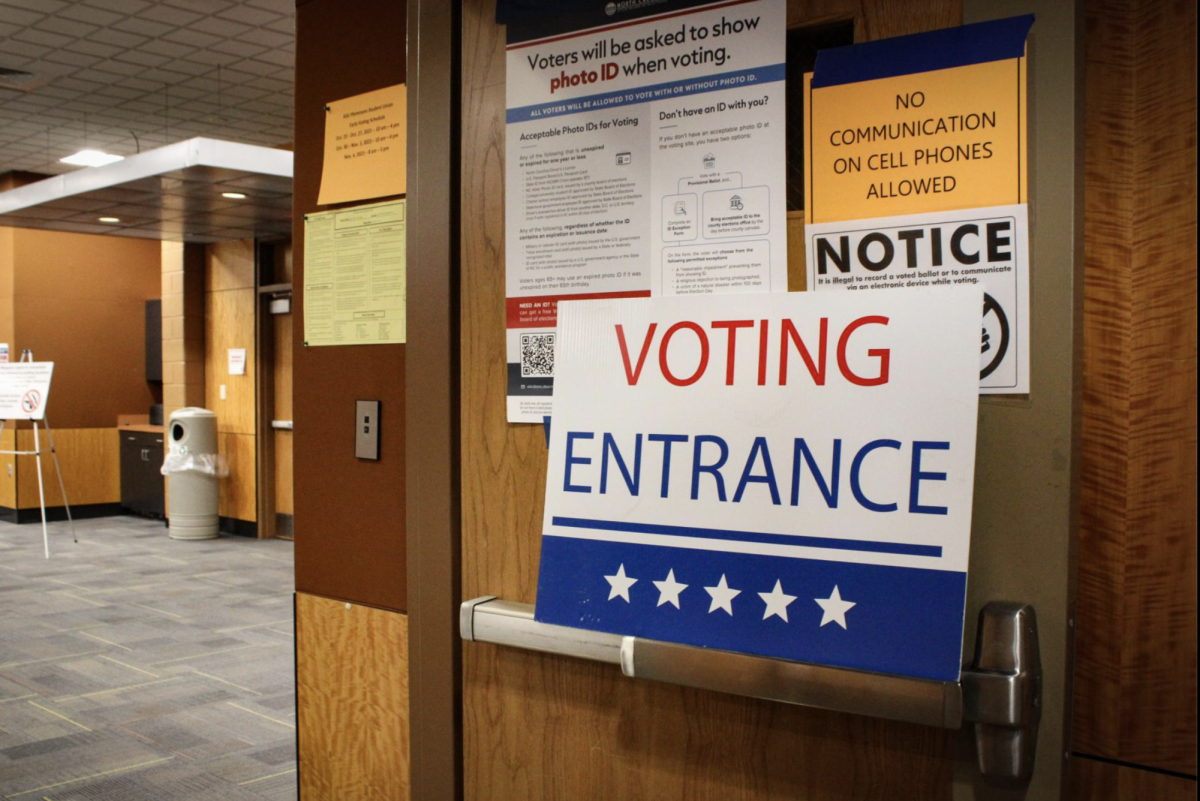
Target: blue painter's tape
x=923, y=52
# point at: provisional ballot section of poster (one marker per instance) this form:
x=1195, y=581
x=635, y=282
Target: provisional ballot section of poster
x=645, y=156
x=784, y=475
x=355, y=274
x=916, y=176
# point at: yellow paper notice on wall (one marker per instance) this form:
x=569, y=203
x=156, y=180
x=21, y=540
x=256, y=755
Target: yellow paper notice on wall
x=932, y=141
x=365, y=146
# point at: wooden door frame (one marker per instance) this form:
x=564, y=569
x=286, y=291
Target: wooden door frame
x=432, y=402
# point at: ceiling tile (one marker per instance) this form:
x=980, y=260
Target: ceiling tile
x=223, y=28
x=118, y=38
x=114, y=64
x=41, y=37
x=191, y=37
x=72, y=58
x=86, y=13
x=250, y=15
x=121, y=62
x=163, y=48
x=205, y=6
x=143, y=27
x=96, y=48
x=27, y=49
x=267, y=38
x=69, y=27
x=42, y=6
x=142, y=58
x=187, y=67
x=20, y=16
x=127, y=7
x=172, y=15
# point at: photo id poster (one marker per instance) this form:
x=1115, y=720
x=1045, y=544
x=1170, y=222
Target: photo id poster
x=645, y=155
x=828, y=521
x=916, y=162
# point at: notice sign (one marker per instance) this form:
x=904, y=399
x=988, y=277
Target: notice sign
x=916, y=151
x=365, y=146
x=355, y=274
x=784, y=475
x=24, y=390
x=645, y=156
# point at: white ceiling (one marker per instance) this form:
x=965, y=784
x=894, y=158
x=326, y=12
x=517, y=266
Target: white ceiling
x=149, y=67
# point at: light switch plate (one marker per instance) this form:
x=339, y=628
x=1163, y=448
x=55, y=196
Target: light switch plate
x=366, y=429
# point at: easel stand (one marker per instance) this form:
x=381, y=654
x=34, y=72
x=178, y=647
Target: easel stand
x=27, y=356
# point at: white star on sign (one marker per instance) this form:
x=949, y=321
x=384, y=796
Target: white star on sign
x=722, y=596
x=668, y=590
x=835, y=608
x=620, y=584
x=777, y=601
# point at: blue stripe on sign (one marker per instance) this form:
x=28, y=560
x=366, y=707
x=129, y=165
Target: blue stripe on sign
x=923, y=52
x=905, y=621
x=833, y=543
x=739, y=79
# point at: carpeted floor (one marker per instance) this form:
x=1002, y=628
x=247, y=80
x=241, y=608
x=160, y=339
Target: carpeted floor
x=137, y=668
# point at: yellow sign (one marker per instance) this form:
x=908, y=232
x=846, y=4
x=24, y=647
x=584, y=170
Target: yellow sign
x=365, y=146
x=355, y=276
x=931, y=141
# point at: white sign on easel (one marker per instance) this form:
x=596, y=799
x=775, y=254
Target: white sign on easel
x=24, y=392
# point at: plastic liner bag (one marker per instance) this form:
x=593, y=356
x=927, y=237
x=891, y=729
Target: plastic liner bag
x=209, y=464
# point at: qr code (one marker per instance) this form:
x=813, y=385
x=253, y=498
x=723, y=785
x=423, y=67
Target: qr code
x=537, y=355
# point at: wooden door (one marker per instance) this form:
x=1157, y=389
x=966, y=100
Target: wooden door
x=545, y=727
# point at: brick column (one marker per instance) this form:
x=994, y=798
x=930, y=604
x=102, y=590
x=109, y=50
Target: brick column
x=182, y=326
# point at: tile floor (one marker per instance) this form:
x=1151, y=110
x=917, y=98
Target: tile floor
x=137, y=668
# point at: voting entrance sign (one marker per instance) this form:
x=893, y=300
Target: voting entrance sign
x=24, y=389
x=784, y=475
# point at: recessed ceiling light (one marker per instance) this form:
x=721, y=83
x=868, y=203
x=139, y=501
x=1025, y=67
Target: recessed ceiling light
x=91, y=158
x=110, y=219
x=233, y=195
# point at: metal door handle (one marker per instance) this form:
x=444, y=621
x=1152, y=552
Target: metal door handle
x=1000, y=692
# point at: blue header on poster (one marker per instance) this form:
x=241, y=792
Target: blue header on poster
x=646, y=94
x=923, y=52
x=530, y=20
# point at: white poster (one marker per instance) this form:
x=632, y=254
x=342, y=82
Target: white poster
x=986, y=248
x=237, y=361
x=24, y=390
x=786, y=475
x=645, y=156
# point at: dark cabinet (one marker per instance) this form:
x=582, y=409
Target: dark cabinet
x=154, y=340
x=142, y=490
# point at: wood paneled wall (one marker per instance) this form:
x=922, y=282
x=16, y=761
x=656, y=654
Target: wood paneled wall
x=538, y=726
x=350, y=512
x=1100, y=781
x=283, y=329
x=90, y=459
x=79, y=301
x=1135, y=683
x=352, y=701
x=230, y=301
x=8, y=469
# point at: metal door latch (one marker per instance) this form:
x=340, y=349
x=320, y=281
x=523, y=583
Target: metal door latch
x=1000, y=692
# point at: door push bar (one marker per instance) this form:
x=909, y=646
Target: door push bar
x=1000, y=692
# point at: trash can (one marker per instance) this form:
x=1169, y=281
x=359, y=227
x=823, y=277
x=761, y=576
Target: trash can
x=193, y=469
